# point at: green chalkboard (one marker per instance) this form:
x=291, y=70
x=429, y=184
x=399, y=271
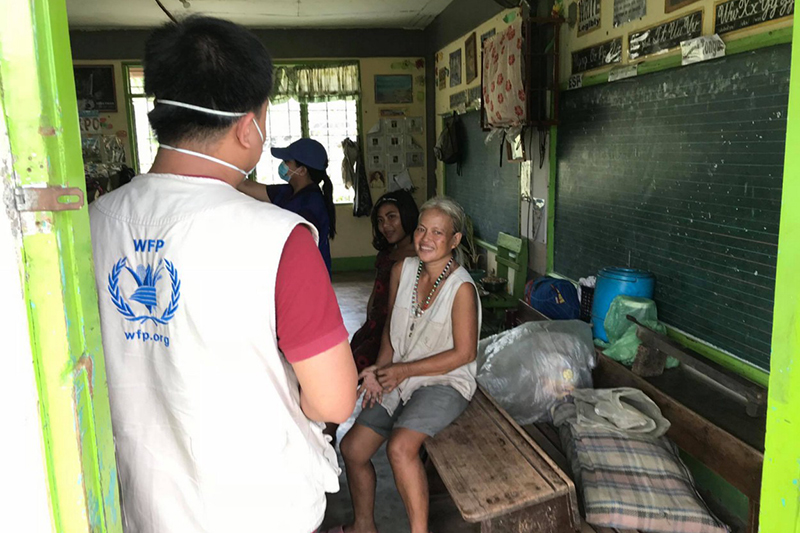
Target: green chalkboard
x=489, y=193
x=679, y=172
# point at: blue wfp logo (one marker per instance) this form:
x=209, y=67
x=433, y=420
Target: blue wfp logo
x=146, y=278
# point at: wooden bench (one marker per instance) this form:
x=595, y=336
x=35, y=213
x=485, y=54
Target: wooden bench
x=706, y=424
x=498, y=477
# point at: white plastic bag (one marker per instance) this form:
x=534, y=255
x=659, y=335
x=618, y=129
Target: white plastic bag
x=532, y=367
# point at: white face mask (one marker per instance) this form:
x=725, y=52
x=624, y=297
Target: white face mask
x=211, y=112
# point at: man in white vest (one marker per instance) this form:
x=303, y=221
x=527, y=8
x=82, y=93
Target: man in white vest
x=224, y=345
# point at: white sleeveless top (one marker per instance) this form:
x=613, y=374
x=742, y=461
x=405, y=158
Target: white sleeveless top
x=432, y=334
x=209, y=433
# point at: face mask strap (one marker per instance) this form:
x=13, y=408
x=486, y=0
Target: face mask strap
x=217, y=112
x=206, y=157
x=201, y=109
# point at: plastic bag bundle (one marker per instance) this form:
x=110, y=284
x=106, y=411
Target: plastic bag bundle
x=623, y=342
x=532, y=367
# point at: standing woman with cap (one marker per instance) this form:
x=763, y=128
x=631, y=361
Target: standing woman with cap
x=303, y=168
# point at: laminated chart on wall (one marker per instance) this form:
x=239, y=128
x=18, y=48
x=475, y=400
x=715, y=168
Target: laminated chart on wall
x=588, y=16
x=665, y=36
x=391, y=150
x=599, y=55
x=733, y=15
x=628, y=10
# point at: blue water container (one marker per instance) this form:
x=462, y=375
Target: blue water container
x=611, y=282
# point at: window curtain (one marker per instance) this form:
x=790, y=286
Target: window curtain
x=315, y=83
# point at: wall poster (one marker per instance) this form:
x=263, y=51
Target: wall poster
x=665, y=36
x=471, y=58
x=455, y=68
x=94, y=85
x=628, y=10
x=596, y=56
x=732, y=15
x=588, y=16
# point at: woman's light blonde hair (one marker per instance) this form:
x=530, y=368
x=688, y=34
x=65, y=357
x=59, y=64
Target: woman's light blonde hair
x=455, y=212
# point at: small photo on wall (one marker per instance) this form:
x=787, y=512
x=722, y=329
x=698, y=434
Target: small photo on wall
x=394, y=89
x=374, y=142
x=414, y=124
x=455, y=68
x=442, y=78
x=375, y=162
x=396, y=162
x=393, y=126
x=414, y=159
x=377, y=179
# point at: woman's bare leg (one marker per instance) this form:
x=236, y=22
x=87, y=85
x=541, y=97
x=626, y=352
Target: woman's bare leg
x=358, y=447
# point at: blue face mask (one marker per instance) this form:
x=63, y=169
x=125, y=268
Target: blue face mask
x=284, y=172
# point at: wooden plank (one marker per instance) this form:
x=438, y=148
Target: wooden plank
x=509, y=242
x=550, y=516
x=737, y=462
x=533, y=451
x=488, y=466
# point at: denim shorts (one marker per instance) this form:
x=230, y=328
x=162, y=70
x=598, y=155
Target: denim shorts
x=429, y=410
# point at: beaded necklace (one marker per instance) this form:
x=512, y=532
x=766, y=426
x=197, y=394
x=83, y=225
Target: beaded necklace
x=419, y=310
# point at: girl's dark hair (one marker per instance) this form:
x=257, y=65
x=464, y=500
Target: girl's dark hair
x=409, y=215
x=207, y=62
x=320, y=176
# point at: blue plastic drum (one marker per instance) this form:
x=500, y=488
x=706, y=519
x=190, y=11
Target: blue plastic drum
x=611, y=282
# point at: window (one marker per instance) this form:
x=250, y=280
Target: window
x=327, y=122
x=316, y=101
x=145, y=144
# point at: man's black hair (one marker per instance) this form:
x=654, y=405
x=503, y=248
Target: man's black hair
x=206, y=62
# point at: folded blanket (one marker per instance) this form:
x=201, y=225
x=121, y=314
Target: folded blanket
x=631, y=480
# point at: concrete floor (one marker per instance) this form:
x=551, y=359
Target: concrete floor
x=352, y=291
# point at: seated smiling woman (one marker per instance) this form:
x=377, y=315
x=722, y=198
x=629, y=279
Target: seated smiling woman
x=424, y=377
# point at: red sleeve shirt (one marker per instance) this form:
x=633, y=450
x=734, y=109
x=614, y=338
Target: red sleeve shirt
x=307, y=313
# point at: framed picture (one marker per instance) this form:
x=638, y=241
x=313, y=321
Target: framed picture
x=471, y=57
x=94, y=85
x=455, y=68
x=442, y=78
x=394, y=89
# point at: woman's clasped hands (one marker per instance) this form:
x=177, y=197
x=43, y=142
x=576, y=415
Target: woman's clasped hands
x=375, y=382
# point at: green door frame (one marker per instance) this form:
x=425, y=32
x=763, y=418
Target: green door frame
x=41, y=115
x=780, y=492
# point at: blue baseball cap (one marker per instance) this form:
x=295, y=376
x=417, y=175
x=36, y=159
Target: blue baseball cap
x=308, y=152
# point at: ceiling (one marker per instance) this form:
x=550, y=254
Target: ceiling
x=408, y=14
